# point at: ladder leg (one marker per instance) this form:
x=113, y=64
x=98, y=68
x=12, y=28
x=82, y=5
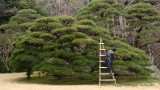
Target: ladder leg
x=113, y=78
x=99, y=77
x=99, y=83
x=115, y=82
x=112, y=75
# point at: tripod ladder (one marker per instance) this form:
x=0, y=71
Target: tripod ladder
x=102, y=53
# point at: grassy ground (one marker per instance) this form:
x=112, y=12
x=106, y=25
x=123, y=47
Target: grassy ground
x=121, y=81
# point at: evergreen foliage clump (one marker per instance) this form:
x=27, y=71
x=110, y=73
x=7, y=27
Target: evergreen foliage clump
x=46, y=24
x=17, y=26
x=2, y=68
x=143, y=18
x=83, y=28
x=106, y=13
x=66, y=20
x=72, y=50
x=21, y=21
x=87, y=22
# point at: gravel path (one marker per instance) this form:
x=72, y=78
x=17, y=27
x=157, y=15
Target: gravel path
x=7, y=83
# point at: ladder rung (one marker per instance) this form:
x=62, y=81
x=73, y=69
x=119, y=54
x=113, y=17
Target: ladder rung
x=106, y=73
x=102, y=61
x=101, y=43
x=108, y=80
x=102, y=49
x=103, y=67
x=102, y=55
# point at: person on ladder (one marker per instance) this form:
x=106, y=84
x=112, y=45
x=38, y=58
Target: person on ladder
x=110, y=54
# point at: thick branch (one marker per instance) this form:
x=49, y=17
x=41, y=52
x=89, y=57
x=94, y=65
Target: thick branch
x=143, y=45
x=5, y=54
x=158, y=41
x=157, y=5
x=130, y=33
x=129, y=3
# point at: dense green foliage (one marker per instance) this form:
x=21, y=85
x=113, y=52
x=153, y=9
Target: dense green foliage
x=143, y=19
x=8, y=8
x=67, y=47
x=17, y=25
x=138, y=24
x=21, y=21
x=106, y=13
x=71, y=49
x=2, y=68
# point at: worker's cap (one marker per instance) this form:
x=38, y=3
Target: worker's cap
x=114, y=49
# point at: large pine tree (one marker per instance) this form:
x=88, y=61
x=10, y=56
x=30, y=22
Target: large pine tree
x=64, y=47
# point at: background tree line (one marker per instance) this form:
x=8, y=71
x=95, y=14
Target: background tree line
x=124, y=19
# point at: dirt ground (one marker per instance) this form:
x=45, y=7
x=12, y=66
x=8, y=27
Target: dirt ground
x=7, y=82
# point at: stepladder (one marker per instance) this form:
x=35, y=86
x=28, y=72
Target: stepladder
x=102, y=55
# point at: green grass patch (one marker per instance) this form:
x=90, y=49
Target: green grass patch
x=52, y=81
x=121, y=81
x=137, y=81
x=43, y=79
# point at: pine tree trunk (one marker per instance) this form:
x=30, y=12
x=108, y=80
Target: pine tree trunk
x=121, y=22
x=118, y=29
x=137, y=38
x=150, y=54
x=5, y=53
x=133, y=40
x=137, y=42
x=59, y=7
x=7, y=67
x=29, y=72
x=124, y=26
x=65, y=10
x=113, y=26
x=108, y=26
x=125, y=22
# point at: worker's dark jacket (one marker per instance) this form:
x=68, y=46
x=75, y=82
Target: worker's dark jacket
x=109, y=55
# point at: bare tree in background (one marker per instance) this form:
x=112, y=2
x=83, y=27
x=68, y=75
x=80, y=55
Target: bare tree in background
x=5, y=51
x=67, y=2
x=61, y=7
x=85, y=2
